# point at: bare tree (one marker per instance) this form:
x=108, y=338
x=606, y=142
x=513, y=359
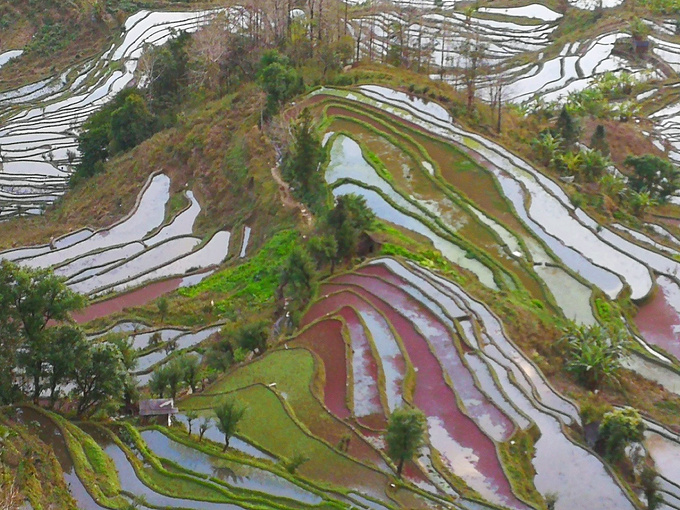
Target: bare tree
x=473, y=66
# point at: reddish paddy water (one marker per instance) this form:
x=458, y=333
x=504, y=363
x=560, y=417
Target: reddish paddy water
x=440, y=338
x=467, y=451
x=137, y=297
x=325, y=339
x=658, y=321
x=365, y=371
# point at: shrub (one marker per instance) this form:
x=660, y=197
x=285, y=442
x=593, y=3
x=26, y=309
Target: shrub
x=619, y=428
x=595, y=353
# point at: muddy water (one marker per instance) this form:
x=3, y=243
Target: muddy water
x=383, y=341
x=366, y=379
x=489, y=418
x=465, y=449
x=408, y=175
x=659, y=319
x=137, y=297
x=325, y=339
x=234, y=473
x=51, y=435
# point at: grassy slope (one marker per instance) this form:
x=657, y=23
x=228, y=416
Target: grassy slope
x=287, y=438
x=30, y=465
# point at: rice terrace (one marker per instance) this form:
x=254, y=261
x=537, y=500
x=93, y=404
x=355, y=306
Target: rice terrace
x=340, y=254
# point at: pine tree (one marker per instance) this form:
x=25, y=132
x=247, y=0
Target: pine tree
x=568, y=128
x=598, y=142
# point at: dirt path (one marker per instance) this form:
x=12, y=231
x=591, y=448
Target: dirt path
x=287, y=197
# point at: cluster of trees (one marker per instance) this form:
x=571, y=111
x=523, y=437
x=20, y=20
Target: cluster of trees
x=42, y=351
x=653, y=180
x=119, y=126
x=181, y=372
x=338, y=227
x=236, y=342
x=228, y=414
x=136, y=114
x=337, y=238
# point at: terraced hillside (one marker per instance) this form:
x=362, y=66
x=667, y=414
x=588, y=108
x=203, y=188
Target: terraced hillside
x=232, y=281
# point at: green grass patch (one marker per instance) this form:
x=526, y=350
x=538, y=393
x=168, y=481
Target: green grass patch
x=516, y=459
x=270, y=424
x=256, y=279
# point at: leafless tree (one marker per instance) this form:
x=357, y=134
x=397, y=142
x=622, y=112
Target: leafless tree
x=472, y=66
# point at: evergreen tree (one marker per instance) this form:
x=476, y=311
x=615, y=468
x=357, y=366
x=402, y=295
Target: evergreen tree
x=302, y=162
x=175, y=377
x=158, y=383
x=659, y=177
x=598, y=142
x=130, y=124
x=99, y=376
x=191, y=370
x=348, y=219
x=35, y=299
x=568, y=128
x=324, y=249
x=297, y=278
x=278, y=79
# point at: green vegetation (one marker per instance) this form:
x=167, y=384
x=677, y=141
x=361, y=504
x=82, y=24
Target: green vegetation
x=653, y=175
x=36, y=337
x=228, y=414
x=117, y=127
x=619, y=428
x=279, y=79
x=255, y=279
x=51, y=38
x=298, y=279
x=300, y=166
x=595, y=353
x=405, y=435
x=210, y=118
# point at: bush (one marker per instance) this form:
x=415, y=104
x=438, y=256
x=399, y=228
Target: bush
x=619, y=428
x=595, y=353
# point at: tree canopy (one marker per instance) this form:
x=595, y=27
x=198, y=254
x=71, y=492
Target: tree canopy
x=405, y=434
x=35, y=315
x=229, y=413
x=659, y=177
x=40, y=344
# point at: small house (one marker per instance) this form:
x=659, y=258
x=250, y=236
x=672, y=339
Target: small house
x=157, y=411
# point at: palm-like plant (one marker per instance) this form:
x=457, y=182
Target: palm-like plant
x=547, y=146
x=614, y=187
x=572, y=162
x=593, y=164
x=641, y=201
x=595, y=353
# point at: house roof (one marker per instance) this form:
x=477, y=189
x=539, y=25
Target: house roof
x=156, y=407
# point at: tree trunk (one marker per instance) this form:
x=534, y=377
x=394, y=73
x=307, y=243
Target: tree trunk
x=226, y=443
x=400, y=467
x=36, y=386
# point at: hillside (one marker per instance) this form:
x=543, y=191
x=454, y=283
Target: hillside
x=365, y=255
